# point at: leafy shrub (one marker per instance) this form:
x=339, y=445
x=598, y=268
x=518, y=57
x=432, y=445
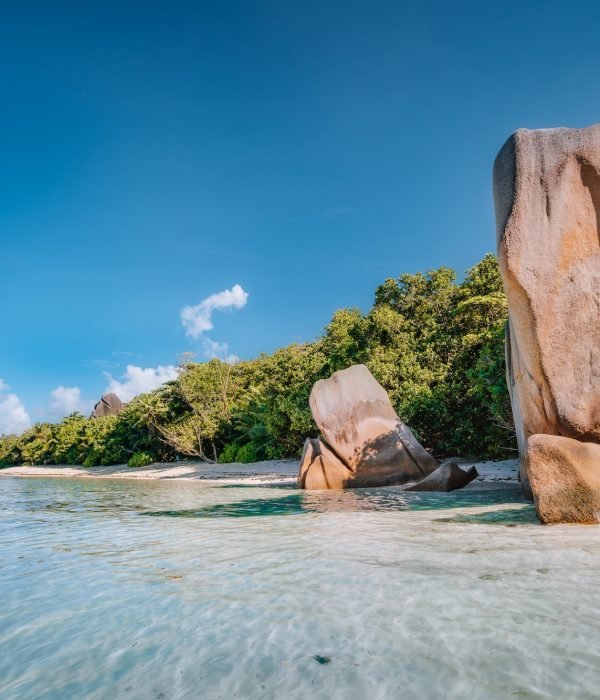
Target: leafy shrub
x=140, y=459
x=228, y=454
x=91, y=460
x=246, y=454
x=10, y=451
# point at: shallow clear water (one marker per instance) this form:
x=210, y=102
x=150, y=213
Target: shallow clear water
x=121, y=589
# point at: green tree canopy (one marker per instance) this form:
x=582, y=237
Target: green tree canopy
x=436, y=346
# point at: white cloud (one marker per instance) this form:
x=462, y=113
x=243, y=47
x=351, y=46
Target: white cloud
x=214, y=349
x=138, y=380
x=13, y=416
x=3, y=385
x=198, y=319
x=65, y=400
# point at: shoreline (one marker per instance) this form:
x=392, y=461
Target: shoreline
x=271, y=471
x=284, y=471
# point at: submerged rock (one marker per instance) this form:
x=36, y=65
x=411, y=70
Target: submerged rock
x=109, y=405
x=447, y=477
x=365, y=442
x=547, y=196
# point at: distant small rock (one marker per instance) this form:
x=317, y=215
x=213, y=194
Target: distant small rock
x=109, y=405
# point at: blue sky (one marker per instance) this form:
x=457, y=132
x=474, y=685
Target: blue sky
x=155, y=155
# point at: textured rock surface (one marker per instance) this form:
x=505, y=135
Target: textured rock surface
x=547, y=195
x=565, y=478
x=363, y=435
x=109, y=405
x=320, y=468
x=447, y=477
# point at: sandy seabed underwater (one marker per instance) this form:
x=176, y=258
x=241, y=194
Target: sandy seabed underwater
x=142, y=589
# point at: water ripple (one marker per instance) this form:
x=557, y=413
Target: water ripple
x=181, y=590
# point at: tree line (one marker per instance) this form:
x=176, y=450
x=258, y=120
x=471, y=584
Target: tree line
x=436, y=346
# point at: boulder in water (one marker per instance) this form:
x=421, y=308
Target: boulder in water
x=365, y=442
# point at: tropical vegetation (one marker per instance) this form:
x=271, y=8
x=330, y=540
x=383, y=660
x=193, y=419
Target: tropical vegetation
x=436, y=345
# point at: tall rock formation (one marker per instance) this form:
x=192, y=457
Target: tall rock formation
x=547, y=196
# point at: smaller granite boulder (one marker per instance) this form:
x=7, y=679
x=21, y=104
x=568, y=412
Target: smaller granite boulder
x=565, y=479
x=364, y=441
x=109, y=405
x=447, y=477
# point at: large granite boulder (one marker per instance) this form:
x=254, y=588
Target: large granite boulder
x=547, y=196
x=109, y=405
x=365, y=442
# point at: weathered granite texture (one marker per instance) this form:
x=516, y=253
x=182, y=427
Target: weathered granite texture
x=321, y=468
x=565, y=478
x=547, y=196
x=109, y=405
x=364, y=441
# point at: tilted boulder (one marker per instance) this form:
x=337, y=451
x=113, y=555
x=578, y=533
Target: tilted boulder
x=547, y=196
x=365, y=442
x=109, y=405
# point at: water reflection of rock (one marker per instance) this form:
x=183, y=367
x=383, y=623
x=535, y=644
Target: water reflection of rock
x=365, y=443
x=345, y=501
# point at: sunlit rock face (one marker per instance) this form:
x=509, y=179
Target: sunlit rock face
x=365, y=442
x=565, y=478
x=321, y=468
x=547, y=196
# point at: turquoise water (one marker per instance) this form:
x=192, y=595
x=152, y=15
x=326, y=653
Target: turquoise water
x=130, y=589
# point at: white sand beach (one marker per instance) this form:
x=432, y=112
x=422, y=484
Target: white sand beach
x=267, y=472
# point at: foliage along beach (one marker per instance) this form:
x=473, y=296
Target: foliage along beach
x=435, y=344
